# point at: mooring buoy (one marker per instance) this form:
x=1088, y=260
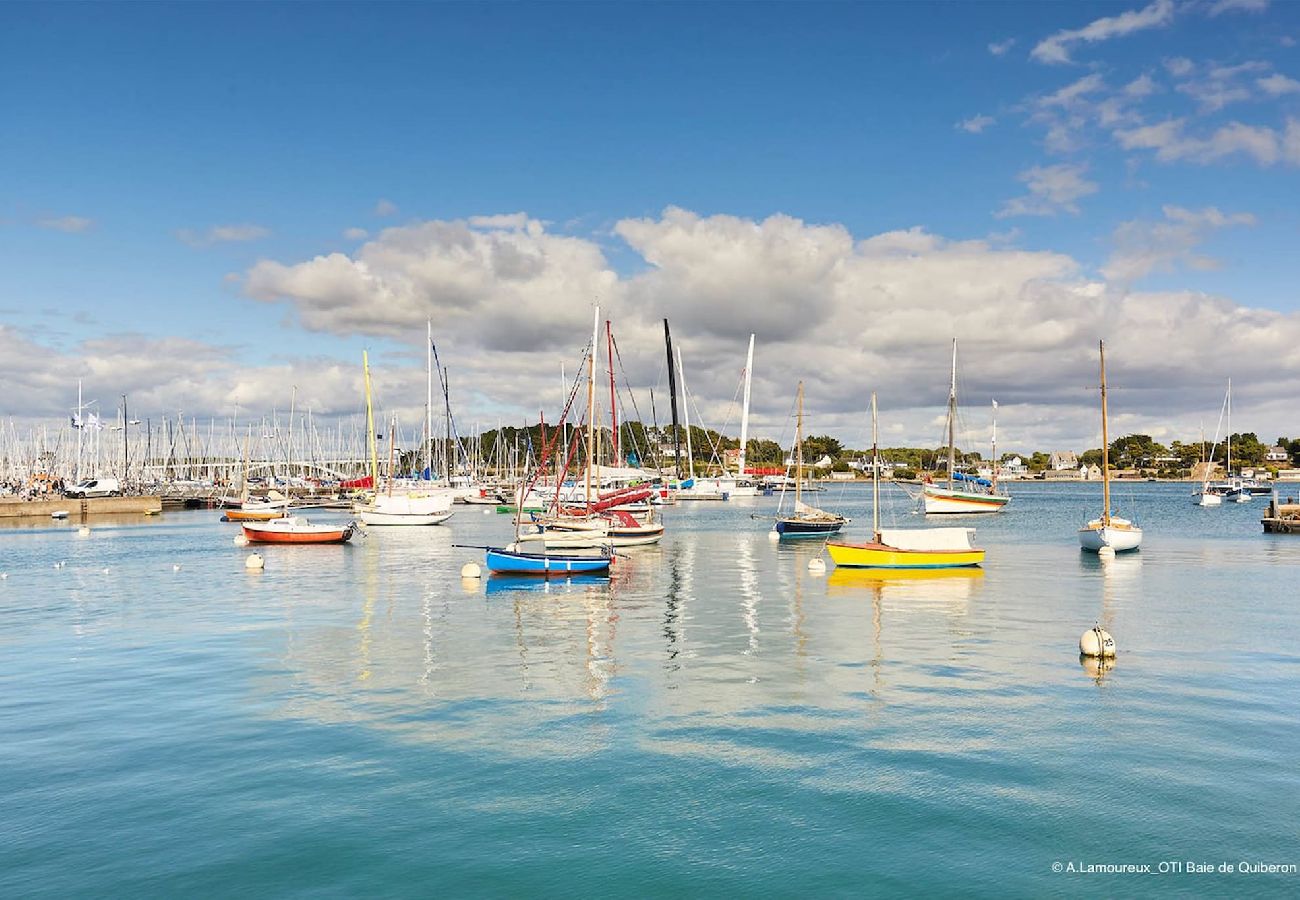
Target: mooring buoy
x=1097, y=643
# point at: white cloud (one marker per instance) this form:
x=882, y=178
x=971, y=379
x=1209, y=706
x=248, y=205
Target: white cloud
x=1052, y=190
x=1145, y=247
x=1075, y=90
x=848, y=315
x=999, y=48
x=1056, y=48
x=1221, y=85
x=1171, y=144
x=384, y=208
x=1179, y=66
x=1218, y=7
x=1277, y=85
x=222, y=234
x=68, y=224
x=976, y=124
x=356, y=234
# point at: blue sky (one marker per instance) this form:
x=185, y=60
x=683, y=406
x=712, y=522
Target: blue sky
x=152, y=155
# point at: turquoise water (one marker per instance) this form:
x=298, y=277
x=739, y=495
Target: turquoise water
x=716, y=720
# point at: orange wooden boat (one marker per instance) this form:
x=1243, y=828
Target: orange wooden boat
x=297, y=530
x=254, y=515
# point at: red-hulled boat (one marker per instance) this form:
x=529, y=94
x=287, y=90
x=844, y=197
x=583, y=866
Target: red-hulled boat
x=297, y=530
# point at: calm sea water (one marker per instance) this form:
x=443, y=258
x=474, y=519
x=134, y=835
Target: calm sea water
x=716, y=720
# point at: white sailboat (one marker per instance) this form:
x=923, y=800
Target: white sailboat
x=964, y=494
x=1109, y=530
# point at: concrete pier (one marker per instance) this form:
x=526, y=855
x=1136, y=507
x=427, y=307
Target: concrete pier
x=80, y=509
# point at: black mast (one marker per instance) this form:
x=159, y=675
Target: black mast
x=672, y=392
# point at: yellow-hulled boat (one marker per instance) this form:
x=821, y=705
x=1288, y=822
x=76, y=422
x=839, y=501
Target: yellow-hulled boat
x=904, y=548
x=879, y=555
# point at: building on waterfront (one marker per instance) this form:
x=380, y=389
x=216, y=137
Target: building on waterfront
x=1063, y=460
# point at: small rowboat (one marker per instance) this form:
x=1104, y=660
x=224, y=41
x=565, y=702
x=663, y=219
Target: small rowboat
x=909, y=548
x=297, y=530
x=505, y=560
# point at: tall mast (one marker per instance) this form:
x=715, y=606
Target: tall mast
x=798, y=451
x=686, y=416
x=952, y=417
x=744, y=409
x=446, y=403
x=125, y=432
x=1105, y=444
x=591, y=401
x=1228, y=471
x=428, y=399
x=672, y=393
x=80, y=424
x=875, y=474
x=392, y=452
x=288, y=448
x=994, y=449
x=613, y=397
x=370, y=426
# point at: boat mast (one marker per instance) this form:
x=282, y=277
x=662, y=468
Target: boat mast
x=79, y=423
x=1227, y=473
x=446, y=403
x=428, y=399
x=1105, y=444
x=686, y=416
x=613, y=397
x=994, y=450
x=952, y=416
x=744, y=409
x=875, y=474
x=798, y=452
x=672, y=394
x=392, y=452
x=370, y=425
x=591, y=401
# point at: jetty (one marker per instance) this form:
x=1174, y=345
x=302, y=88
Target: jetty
x=80, y=509
x=1282, y=516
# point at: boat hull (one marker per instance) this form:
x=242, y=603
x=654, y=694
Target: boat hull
x=268, y=533
x=254, y=515
x=1119, y=537
x=507, y=562
x=371, y=517
x=882, y=556
x=939, y=501
x=790, y=529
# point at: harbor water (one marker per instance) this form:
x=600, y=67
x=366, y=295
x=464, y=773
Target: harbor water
x=713, y=720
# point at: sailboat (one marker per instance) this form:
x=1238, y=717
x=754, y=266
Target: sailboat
x=422, y=507
x=974, y=495
x=904, y=548
x=807, y=521
x=1232, y=488
x=1207, y=496
x=727, y=486
x=1109, y=530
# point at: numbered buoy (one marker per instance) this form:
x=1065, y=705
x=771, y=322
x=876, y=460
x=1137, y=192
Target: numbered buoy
x=471, y=570
x=240, y=540
x=1107, y=552
x=83, y=530
x=816, y=565
x=254, y=562
x=1097, y=643
x=774, y=535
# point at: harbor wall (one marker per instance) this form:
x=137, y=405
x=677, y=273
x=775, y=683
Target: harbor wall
x=80, y=509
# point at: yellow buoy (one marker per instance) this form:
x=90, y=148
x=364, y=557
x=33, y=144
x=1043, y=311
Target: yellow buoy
x=1097, y=643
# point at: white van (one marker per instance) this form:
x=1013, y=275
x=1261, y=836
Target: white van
x=95, y=487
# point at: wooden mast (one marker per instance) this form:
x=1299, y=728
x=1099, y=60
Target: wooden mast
x=875, y=474
x=1105, y=444
x=798, y=452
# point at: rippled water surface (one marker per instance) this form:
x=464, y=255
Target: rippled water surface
x=716, y=719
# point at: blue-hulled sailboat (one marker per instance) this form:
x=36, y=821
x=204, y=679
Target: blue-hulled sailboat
x=807, y=521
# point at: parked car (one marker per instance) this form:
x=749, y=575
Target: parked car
x=95, y=487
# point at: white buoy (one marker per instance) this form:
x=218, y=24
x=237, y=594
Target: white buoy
x=1097, y=642
x=255, y=562
x=774, y=535
x=487, y=512
x=3, y=575
x=816, y=565
x=176, y=567
x=105, y=570
x=83, y=530
x=240, y=540
x=60, y=564
x=1106, y=552
x=471, y=570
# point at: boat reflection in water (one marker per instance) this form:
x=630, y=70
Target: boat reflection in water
x=512, y=584
x=904, y=584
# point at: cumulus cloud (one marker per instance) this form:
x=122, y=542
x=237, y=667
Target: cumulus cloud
x=1145, y=247
x=222, y=234
x=67, y=224
x=1052, y=190
x=384, y=208
x=1056, y=48
x=1277, y=85
x=975, y=124
x=356, y=234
